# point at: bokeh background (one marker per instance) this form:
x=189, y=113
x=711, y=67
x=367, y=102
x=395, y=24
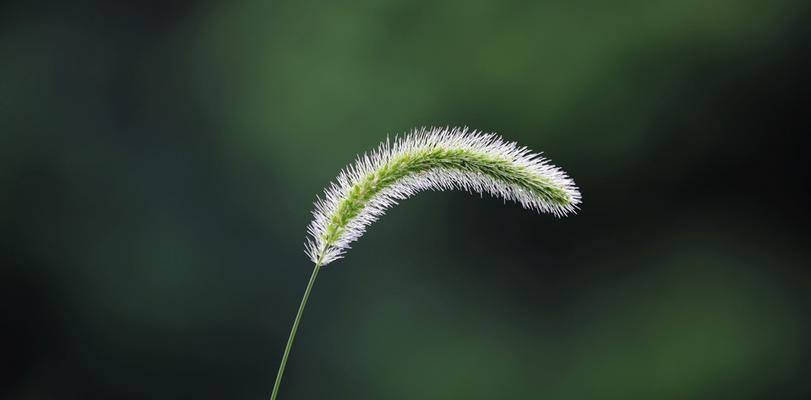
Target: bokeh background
x=158, y=162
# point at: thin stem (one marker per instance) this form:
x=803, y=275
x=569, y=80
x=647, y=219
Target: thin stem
x=294, y=329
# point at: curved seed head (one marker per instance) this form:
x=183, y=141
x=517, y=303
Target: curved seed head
x=432, y=159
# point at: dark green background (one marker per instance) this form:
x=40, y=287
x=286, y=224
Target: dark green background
x=158, y=163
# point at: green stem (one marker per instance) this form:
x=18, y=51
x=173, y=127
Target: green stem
x=293, y=330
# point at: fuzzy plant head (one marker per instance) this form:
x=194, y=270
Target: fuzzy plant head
x=432, y=159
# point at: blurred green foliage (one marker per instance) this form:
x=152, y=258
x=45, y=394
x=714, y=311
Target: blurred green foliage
x=158, y=162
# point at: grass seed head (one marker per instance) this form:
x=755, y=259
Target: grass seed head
x=433, y=159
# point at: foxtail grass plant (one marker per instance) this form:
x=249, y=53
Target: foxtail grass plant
x=426, y=159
